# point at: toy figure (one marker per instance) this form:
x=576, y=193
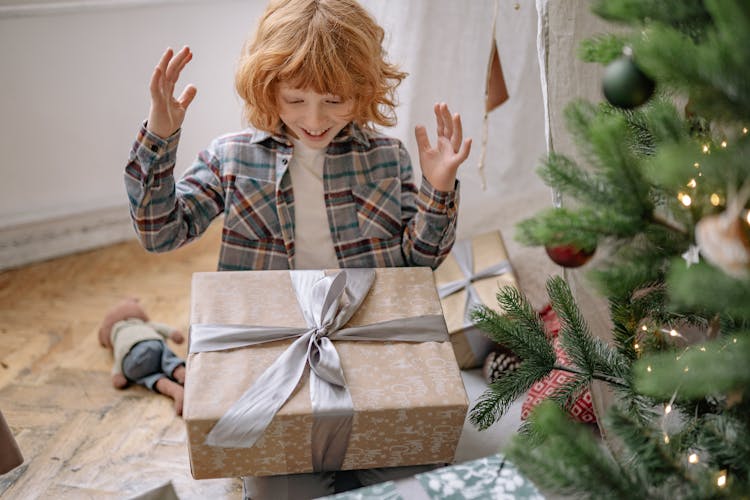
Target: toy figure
x=141, y=355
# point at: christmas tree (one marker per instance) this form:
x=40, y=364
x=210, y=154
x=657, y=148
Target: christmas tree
x=661, y=194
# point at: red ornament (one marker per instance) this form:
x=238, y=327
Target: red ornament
x=569, y=255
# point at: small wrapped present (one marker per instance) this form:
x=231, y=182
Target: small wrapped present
x=301, y=371
x=470, y=276
x=582, y=409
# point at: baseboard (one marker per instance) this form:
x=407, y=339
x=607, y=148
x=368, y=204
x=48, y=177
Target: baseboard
x=41, y=240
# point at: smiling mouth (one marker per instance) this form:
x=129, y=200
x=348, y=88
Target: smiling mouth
x=316, y=133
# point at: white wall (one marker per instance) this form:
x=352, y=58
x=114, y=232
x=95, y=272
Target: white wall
x=74, y=88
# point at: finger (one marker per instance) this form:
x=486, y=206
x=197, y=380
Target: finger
x=439, y=119
x=157, y=78
x=423, y=142
x=165, y=58
x=183, y=62
x=464, y=151
x=447, y=120
x=176, y=65
x=187, y=96
x=458, y=132
x=155, y=84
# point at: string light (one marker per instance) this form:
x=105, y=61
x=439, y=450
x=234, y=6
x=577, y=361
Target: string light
x=644, y=328
x=686, y=369
x=673, y=333
x=697, y=165
x=636, y=346
x=692, y=183
x=648, y=368
x=693, y=458
x=703, y=349
x=721, y=481
x=744, y=130
x=706, y=149
x=685, y=199
x=715, y=199
x=666, y=439
x=668, y=409
x=723, y=144
x=747, y=218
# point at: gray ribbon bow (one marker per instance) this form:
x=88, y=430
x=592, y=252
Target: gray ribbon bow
x=327, y=303
x=465, y=259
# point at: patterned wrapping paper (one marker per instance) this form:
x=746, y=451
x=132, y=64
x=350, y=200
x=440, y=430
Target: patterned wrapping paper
x=470, y=344
x=409, y=399
x=490, y=477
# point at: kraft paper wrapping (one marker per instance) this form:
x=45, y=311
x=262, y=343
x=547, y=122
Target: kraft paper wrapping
x=409, y=399
x=470, y=344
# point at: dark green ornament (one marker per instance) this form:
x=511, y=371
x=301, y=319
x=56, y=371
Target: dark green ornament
x=625, y=85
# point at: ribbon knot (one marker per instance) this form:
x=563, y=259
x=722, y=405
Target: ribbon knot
x=465, y=260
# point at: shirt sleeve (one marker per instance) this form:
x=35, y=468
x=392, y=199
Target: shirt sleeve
x=162, y=329
x=429, y=218
x=167, y=214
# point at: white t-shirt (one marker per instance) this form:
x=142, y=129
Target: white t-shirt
x=312, y=235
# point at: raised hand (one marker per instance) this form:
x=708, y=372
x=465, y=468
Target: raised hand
x=167, y=113
x=440, y=164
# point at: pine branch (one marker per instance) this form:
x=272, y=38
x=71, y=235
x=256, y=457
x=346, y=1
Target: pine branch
x=649, y=453
x=705, y=369
x=593, y=357
x=501, y=394
x=569, y=459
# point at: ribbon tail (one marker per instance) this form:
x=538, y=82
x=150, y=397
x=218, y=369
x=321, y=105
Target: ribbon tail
x=244, y=423
x=472, y=301
x=333, y=412
x=451, y=287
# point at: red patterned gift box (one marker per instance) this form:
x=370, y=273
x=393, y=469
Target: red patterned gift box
x=582, y=409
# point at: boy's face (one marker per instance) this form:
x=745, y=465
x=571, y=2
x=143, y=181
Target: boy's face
x=313, y=118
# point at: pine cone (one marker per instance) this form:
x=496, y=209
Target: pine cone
x=498, y=363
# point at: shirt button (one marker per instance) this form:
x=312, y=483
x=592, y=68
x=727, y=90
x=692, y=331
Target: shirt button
x=451, y=204
x=154, y=148
x=284, y=161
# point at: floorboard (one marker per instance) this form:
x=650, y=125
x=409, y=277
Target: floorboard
x=80, y=437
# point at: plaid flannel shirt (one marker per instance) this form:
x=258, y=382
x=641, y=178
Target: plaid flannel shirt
x=376, y=215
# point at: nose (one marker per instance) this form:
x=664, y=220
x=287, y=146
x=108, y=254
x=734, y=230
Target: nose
x=316, y=117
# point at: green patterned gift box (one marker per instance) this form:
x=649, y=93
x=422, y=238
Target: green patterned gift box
x=490, y=477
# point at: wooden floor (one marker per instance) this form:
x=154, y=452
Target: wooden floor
x=80, y=437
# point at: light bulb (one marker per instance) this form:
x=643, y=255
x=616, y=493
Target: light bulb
x=693, y=458
x=692, y=183
x=685, y=199
x=715, y=199
x=706, y=148
x=721, y=481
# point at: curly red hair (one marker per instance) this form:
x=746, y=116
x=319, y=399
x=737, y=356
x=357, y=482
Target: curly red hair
x=327, y=46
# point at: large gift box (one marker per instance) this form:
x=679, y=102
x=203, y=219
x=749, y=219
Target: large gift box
x=300, y=371
x=470, y=276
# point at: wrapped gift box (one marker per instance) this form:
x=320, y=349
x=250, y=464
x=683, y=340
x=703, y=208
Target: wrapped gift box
x=489, y=477
x=582, y=408
x=471, y=275
x=408, y=397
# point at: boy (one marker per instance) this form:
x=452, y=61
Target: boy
x=311, y=185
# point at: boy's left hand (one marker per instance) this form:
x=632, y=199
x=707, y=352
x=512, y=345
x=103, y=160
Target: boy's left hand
x=440, y=164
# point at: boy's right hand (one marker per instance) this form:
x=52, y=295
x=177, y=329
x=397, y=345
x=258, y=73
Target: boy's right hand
x=167, y=113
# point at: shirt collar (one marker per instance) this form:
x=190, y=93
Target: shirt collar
x=351, y=132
